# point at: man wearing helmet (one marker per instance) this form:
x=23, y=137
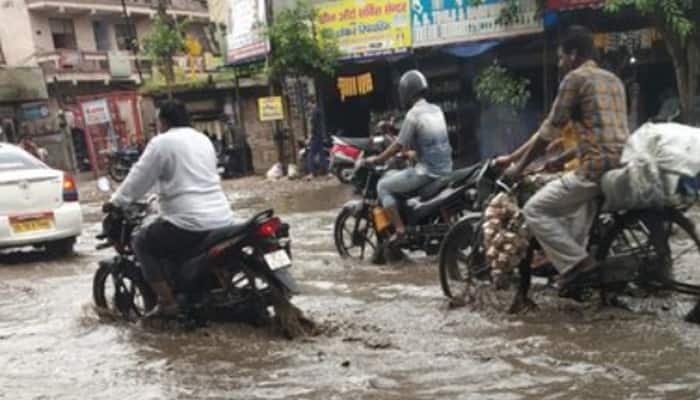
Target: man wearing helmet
x=425, y=131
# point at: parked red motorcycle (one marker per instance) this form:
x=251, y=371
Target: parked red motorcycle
x=345, y=151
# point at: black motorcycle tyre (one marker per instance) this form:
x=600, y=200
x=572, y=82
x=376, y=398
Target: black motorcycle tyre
x=460, y=236
x=376, y=255
x=343, y=173
x=100, y=280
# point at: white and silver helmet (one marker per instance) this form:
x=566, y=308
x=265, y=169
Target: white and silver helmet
x=411, y=84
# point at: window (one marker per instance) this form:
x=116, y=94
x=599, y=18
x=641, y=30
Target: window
x=101, y=36
x=123, y=34
x=63, y=33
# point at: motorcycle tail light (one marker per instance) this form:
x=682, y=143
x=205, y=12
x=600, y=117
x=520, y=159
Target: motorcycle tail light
x=269, y=228
x=70, y=189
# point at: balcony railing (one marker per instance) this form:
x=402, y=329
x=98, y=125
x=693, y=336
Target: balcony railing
x=85, y=65
x=184, y=8
x=76, y=65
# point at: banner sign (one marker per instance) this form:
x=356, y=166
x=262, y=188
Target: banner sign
x=96, y=112
x=246, y=38
x=270, y=108
x=119, y=64
x=350, y=86
x=571, y=4
x=437, y=22
x=34, y=111
x=367, y=28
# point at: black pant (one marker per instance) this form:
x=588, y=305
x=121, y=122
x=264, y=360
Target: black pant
x=161, y=241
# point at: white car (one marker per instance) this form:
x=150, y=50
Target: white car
x=38, y=205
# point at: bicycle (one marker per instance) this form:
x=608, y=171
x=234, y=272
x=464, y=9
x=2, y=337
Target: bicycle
x=639, y=248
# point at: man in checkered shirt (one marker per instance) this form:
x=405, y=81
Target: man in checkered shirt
x=560, y=215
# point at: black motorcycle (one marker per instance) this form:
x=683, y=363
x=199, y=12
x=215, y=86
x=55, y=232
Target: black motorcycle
x=120, y=163
x=236, y=273
x=362, y=228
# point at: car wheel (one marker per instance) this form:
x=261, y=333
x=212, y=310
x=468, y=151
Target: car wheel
x=61, y=248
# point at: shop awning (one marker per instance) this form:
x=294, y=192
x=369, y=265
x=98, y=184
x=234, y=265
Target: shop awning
x=468, y=50
x=563, y=5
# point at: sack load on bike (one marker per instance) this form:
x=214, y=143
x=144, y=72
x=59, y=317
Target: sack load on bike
x=660, y=168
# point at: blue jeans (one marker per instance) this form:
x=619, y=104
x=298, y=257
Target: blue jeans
x=398, y=183
x=316, y=153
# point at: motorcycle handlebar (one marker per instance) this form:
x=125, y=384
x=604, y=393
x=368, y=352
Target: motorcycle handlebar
x=102, y=246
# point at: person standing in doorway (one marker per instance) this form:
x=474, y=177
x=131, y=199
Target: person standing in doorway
x=316, y=158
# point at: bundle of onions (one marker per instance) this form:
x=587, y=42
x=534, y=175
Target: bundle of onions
x=506, y=237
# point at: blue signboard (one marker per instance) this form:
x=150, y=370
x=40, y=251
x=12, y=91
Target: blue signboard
x=436, y=22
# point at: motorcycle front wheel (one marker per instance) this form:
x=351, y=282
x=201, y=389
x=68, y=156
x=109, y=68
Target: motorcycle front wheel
x=344, y=174
x=122, y=292
x=462, y=258
x=356, y=238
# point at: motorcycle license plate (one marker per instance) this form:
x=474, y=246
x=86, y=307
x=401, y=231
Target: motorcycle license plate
x=278, y=260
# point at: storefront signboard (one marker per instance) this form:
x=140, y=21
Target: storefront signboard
x=96, y=112
x=270, y=108
x=437, y=22
x=572, y=4
x=367, y=28
x=34, y=111
x=119, y=64
x=246, y=40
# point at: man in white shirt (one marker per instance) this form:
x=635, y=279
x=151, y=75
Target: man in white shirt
x=180, y=165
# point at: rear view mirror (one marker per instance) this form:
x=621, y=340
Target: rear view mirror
x=104, y=185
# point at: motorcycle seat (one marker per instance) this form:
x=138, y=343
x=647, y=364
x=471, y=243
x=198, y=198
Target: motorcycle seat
x=360, y=143
x=219, y=235
x=432, y=189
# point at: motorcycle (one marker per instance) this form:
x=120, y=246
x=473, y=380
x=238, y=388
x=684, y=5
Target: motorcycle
x=120, y=163
x=236, y=273
x=428, y=213
x=346, y=151
x=635, y=248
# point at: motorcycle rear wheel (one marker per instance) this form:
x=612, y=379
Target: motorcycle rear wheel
x=126, y=294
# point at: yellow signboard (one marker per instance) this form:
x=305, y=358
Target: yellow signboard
x=367, y=28
x=270, y=108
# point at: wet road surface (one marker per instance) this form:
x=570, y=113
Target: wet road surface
x=387, y=335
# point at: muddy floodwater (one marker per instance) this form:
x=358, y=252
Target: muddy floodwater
x=388, y=334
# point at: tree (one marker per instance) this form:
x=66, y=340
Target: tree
x=677, y=21
x=497, y=86
x=164, y=41
x=297, y=49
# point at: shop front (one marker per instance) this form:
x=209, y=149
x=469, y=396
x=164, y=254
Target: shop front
x=103, y=123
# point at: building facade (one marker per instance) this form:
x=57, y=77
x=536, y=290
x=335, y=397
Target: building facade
x=84, y=49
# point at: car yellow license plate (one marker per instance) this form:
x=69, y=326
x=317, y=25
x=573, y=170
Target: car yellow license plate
x=31, y=223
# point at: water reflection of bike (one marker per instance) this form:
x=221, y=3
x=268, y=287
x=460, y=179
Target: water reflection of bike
x=236, y=272
x=637, y=250
x=120, y=163
x=362, y=228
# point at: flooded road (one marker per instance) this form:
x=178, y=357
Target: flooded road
x=387, y=335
